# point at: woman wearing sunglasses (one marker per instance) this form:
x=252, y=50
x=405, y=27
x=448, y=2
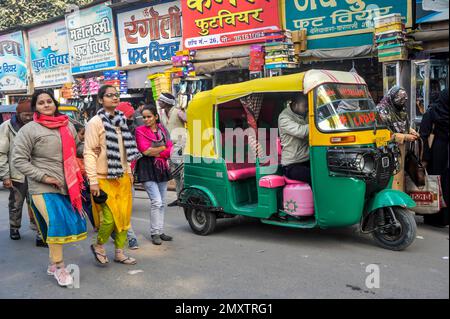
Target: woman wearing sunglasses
x=109, y=173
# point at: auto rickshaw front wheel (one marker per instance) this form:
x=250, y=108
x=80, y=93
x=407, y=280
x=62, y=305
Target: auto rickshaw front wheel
x=202, y=222
x=399, y=230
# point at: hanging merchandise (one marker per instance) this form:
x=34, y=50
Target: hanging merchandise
x=186, y=89
x=300, y=41
x=391, y=38
x=256, y=61
x=183, y=63
x=161, y=83
x=118, y=79
x=280, y=52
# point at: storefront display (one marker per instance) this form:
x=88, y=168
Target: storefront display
x=118, y=79
x=280, y=53
x=428, y=77
x=185, y=89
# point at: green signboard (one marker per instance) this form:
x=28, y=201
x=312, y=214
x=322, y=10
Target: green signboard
x=340, y=23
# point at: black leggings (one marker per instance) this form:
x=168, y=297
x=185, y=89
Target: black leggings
x=298, y=172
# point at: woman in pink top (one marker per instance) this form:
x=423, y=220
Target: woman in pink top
x=152, y=170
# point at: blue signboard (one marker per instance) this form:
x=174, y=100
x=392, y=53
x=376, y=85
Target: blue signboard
x=91, y=39
x=13, y=65
x=49, y=55
x=340, y=23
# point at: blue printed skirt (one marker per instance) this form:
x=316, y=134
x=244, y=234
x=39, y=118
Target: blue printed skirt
x=57, y=220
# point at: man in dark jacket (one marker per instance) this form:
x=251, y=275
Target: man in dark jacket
x=12, y=178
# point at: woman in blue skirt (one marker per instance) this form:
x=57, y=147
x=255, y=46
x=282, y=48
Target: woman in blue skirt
x=45, y=152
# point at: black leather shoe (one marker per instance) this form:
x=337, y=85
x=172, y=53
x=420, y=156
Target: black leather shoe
x=165, y=237
x=40, y=243
x=14, y=234
x=156, y=240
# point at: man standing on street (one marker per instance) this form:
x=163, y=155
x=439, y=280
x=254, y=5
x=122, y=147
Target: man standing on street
x=137, y=116
x=176, y=119
x=12, y=179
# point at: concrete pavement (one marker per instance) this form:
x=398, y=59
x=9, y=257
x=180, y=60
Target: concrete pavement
x=242, y=259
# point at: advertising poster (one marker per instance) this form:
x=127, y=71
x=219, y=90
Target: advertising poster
x=49, y=55
x=151, y=34
x=13, y=65
x=219, y=23
x=91, y=39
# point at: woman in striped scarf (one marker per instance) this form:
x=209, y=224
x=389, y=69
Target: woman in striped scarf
x=109, y=174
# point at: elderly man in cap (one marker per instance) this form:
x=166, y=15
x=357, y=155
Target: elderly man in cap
x=176, y=119
x=12, y=179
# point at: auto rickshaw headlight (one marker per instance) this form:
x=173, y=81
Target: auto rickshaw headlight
x=360, y=162
x=365, y=163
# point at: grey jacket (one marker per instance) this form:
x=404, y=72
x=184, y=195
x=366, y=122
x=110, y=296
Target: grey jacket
x=38, y=152
x=7, y=137
x=294, y=134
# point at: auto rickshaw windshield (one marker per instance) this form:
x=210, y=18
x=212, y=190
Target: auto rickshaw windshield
x=343, y=107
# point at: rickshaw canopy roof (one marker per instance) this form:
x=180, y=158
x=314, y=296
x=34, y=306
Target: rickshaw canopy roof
x=201, y=108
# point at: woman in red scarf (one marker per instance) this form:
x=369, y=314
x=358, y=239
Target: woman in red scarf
x=45, y=152
x=153, y=141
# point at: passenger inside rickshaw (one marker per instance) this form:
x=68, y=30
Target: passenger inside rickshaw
x=239, y=150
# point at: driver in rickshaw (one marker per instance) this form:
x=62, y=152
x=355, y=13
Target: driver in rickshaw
x=293, y=125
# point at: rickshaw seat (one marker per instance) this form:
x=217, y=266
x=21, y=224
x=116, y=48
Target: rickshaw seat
x=292, y=182
x=241, y=173
x=272, y=181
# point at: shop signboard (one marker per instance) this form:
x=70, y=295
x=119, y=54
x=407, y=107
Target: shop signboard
x=351, y=21
x=13, y=62
x=150, y=34
x=431, y=10
x=91, y=39
x=49, y=55
x=219, y=23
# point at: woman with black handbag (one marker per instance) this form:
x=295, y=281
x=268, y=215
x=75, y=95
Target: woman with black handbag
x=392, y=111
x=434, y=132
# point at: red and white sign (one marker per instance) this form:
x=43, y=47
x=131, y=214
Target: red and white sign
x=218, y=23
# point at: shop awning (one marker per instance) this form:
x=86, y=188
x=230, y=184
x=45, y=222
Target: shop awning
x=222, y=65
x=338, y=54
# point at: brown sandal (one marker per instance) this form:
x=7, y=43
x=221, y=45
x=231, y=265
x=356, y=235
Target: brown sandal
x=97, y=254
x=124, y=260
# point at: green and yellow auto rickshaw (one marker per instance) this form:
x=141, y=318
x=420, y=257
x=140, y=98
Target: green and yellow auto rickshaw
x=352, y=159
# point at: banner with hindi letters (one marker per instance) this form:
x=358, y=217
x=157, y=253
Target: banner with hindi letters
x=151, y=34
x=218, y=23
x=91, y=39
x=350, y=20
x=49, y=55
x=13, y=62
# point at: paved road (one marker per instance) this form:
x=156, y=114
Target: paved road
x=242, y=259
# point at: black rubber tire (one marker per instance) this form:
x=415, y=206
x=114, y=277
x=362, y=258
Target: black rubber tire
x=202, y=227
x=406, y=236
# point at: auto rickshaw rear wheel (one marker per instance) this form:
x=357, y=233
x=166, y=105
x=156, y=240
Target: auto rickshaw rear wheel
x=396, y=236
x=202, y=222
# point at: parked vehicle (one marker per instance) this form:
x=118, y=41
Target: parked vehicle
x=352, y=160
